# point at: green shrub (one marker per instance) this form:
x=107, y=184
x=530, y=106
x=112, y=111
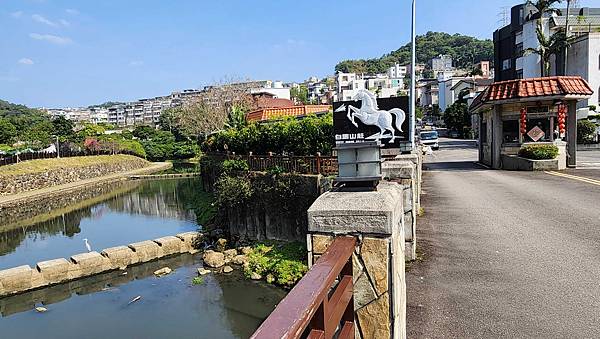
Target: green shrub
x=539, y=152
x=197, y=281
x=284, y=263
x=305, y=136
x=235, y=165
x=232, y=191
x=586, y=131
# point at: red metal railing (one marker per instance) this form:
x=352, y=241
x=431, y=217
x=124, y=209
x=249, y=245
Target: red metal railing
x=314, y=309
x=295, y=164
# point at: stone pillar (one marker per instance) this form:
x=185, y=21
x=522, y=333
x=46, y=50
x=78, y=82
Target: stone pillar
x=376, y=219
x=572, y=134
x=406, y=173
x=497, y=137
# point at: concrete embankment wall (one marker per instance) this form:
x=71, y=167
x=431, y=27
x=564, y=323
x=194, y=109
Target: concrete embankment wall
x=262, y=218
x=105, y=164
x=51, y=272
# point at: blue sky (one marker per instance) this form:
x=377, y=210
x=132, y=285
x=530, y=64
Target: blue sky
x=57, y=53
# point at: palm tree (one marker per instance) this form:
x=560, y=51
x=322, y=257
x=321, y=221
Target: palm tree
x=545, y=6
x=548, y=46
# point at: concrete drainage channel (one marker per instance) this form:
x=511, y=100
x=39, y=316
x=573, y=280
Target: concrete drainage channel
x=46, y=273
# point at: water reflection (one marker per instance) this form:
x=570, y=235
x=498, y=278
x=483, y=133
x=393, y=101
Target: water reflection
x=224, y=306
x=136, y=211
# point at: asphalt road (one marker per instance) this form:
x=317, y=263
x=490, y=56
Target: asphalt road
x=505, y=254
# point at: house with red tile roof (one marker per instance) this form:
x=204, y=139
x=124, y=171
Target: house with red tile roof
x=520, y=112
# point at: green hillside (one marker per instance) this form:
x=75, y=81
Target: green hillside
x=465, y=51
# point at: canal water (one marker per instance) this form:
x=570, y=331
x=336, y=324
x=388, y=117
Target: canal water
x=222, y=306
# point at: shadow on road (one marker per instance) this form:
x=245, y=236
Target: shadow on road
x=453, y=166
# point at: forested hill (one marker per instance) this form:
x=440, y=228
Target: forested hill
x=7, y=108
x=465, y=51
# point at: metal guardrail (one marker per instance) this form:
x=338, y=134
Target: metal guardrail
x=13, y=159
x=313, y=308
x=326, y=165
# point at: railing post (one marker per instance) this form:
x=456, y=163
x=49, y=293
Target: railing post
x=318, y=158
x=375, y=218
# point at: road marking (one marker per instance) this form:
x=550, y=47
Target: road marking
x=574, y=177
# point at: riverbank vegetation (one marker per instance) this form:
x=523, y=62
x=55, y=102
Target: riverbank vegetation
x=279, y=263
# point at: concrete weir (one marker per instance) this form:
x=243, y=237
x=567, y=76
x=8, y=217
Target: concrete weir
x=24, y=278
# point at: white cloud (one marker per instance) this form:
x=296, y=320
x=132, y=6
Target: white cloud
x=26, y=61
x=72, y=11
x=54, y=39
x=42, y=20
x=16, y=14
x=64, y=22
x=136, y=63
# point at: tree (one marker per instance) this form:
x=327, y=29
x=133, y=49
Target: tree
x=7, y=131
x=299, y=94
x=63, y=128
x=457, y=116
x=586, y=131
x=144, y=132
x=545, y=6
x=465, y=50
x=39, y=135
x=547, y=47
x=90, y=130
x=236, y=118
x=208, y=113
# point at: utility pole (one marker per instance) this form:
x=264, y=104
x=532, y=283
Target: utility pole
x=413, y=64
x=567, y=36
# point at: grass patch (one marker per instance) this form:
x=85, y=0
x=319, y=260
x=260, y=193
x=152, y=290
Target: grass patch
x=45, y=165
x=198, y=281
x=280, y=263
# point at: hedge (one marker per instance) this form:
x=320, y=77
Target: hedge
x=305, y=136
x=539, y=152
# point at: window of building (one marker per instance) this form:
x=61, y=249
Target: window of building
x=510, y=131
x=483, y=132
x=544, y=124
x=520, y=74
x=506, y=64
x=519, y=50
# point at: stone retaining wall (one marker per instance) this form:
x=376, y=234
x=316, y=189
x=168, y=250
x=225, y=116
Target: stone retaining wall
x=51, y=272
x=13, y=184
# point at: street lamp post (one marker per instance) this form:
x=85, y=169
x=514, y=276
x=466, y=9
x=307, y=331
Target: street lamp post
x=57, y=147
x=413, y=120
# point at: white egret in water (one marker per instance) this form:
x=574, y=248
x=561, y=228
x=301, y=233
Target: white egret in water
x=87, y=245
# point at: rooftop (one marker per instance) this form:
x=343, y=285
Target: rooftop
x=533, y=89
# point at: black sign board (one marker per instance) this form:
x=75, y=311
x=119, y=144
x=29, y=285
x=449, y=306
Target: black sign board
x=370, y=121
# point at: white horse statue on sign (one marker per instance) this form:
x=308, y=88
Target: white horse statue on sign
x=370, y=114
